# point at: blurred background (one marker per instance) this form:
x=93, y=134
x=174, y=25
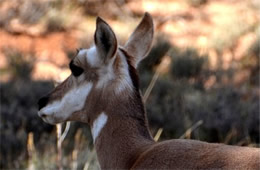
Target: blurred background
x=200, y=81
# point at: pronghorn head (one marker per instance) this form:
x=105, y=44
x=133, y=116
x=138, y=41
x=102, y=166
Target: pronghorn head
x=100, y=74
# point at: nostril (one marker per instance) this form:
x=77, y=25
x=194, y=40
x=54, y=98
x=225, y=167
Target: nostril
x=43, y=115
x=43, y=102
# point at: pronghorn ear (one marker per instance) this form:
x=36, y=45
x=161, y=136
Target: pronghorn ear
x=105, y=40
x=140, y=42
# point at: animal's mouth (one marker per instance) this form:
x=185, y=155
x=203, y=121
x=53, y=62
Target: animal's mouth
x=50, y=118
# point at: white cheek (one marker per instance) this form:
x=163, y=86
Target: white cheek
x=73, y=101
x=98, y=125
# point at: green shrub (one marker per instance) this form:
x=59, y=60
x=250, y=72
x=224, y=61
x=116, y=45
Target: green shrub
x=20, y=65
x=186, y=64
x=154, y=58
x=251, y=61
x=196, y=3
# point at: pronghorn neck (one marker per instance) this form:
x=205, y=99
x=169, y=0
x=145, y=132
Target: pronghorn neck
x=121, y=132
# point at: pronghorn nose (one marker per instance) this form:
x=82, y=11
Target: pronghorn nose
x=43, y=102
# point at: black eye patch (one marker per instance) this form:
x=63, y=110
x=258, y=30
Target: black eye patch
x=76, y=71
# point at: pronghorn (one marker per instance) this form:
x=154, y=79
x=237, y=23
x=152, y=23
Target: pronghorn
x=103, y=91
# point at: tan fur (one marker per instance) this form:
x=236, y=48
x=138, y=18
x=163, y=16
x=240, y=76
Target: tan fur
x=144, y=32
x=191, y=154
x=125, y=141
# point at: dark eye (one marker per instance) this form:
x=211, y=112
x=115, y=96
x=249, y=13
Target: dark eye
x=76, y=71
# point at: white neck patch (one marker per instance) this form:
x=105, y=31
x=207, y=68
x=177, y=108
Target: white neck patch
x=98, y=125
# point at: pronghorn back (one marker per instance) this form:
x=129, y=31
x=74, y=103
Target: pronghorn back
x=103, y=91
x=192, y=154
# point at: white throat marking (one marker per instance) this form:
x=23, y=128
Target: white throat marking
x=98, y=125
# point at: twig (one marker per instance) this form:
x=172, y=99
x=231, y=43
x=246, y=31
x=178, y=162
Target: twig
x=60, y=138
x=158, y=134
x=151, y=85
x=91, y=156
x=31, y=151
x=59, y=149
x=231, y=133
x=64, y=134
x=191, y=129
x=159, y=70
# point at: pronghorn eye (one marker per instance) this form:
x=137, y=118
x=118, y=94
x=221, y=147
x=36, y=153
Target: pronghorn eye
x=76, y=71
